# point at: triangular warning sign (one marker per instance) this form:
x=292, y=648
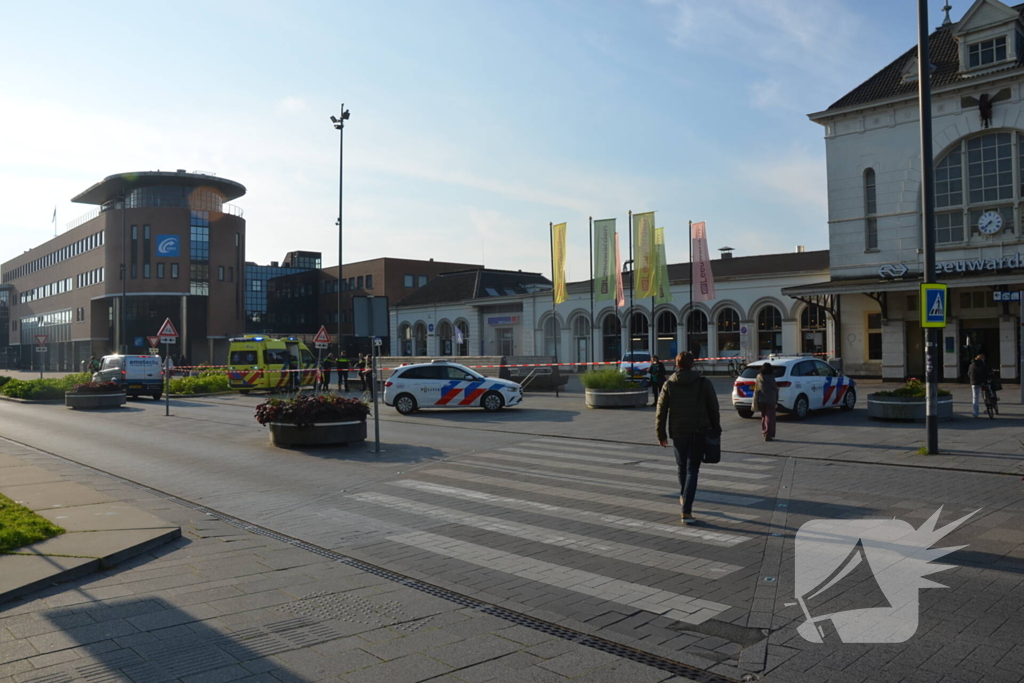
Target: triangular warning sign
x=153, y=341
x=938, y=310
x=167, y=329
x=41, y=339
x=322, y=337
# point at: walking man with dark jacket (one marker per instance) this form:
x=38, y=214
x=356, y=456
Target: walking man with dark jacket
x=979, y=375
x=687, y=407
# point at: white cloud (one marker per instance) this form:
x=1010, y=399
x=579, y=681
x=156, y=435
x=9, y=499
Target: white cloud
x=797, y=178
x=291, y=105
x=769, y=95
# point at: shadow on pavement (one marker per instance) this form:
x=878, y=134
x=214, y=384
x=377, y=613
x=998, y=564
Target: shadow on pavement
x=479, y=416
x=154, y=641
x=363, y=452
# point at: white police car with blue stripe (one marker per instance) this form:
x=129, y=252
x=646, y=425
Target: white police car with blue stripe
x=443, y=384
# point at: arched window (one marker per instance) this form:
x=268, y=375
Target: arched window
x=462, y=338
x=769, y=331
x=581, y=339
x=870, y=209
x=611, y=337
x=728, y=326
x=551, y=336
x=405, y=340
x=640, y=332
x=697, y=334
x=667, y=325
x=420, y=340
x=813, y=325
x=444, y=335
x=992, y=161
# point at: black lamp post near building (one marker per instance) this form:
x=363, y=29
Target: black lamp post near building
x=122, y=346
x=339, y=125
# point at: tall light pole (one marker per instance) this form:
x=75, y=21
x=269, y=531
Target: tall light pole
x=339, y=125
x=121, y=347
x=931, y=334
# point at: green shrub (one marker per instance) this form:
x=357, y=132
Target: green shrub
x=914, y=388
x=4, y=379
x=208, y=382
x=606, y=379
x=43, y=389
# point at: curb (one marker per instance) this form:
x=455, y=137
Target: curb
x=90, y=566
x=29, y=401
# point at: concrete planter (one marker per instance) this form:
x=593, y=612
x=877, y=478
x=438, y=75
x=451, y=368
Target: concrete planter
x=622, y=398
x=904, y=408
x=325, y=434
x=89, y=401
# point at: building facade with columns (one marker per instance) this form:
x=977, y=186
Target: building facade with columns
x=872, y=142
x=750, y=316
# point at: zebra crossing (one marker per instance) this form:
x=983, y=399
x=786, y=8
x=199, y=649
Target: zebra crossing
x=594, y=519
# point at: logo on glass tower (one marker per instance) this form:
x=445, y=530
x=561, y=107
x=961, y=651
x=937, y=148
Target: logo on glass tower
x=168, y=246
x=875, y=566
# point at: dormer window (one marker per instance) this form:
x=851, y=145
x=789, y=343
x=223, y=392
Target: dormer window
x=986, y=52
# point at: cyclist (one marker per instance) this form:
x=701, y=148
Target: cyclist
x=979, y=375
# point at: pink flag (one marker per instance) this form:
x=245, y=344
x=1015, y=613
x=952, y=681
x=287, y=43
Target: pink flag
x=620, y=294
x=700, y=269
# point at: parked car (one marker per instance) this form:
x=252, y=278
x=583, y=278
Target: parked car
x=443, y=384
x=805, y=384
x=636, y=364
x=136, y=374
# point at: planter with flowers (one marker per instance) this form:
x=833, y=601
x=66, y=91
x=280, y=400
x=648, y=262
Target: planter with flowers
x=609, y=388
x=95, y=395
x=908, y=403
x=313, y=420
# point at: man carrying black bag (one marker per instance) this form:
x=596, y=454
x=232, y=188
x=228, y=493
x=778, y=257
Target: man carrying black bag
x=688, y=408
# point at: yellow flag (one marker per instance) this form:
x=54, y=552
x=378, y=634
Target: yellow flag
x=645, y=271
x=561, y=292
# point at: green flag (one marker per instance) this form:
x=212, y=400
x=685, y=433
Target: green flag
x=604, y=260
x=664, y=295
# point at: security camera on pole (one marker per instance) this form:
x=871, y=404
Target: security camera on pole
x=167, y=335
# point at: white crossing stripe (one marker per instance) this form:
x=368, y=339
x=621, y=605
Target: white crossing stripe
x=595, y=444
x=626, y=458
x=593, y=469
x=682, y=564
x=634, y=462
x=586, y=516
x=672, y=605
x=590, y=496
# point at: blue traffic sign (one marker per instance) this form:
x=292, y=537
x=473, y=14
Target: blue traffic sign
x=933, y=305
x=140, y=341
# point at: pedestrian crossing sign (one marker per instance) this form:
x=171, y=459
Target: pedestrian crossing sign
x=934, y=304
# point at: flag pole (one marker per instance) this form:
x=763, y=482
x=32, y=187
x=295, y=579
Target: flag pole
x=554, y=285
x=689, y=312
x=632, y=284
x=590, y=356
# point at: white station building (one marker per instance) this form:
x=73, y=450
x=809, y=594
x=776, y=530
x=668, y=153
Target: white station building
x=508, y=313
x=874, y=198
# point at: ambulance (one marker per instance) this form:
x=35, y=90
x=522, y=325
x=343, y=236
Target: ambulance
x=259, y=362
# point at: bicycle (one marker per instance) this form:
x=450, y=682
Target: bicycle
x=991, y=401
x=736, y=366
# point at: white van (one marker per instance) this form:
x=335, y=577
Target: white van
x=136, y=374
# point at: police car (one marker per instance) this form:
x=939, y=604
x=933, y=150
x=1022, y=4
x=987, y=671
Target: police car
x=443, y=384
x=805, y=384
x=636, y=364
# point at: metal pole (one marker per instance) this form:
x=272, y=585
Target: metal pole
x=632, y=284
x=689, y=306
x=1020, y=334
x=554, y=287
x=167, y=380
x=590, y=356
x=339, y=125
x=931, y=335
x=124, y=275
x=375, y=365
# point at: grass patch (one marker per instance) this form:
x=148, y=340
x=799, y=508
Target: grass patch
x=19, y=526
x=607, y=379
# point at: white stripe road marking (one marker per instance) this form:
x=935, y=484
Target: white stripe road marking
x=585, y=516
x=740, y=464
x=595, y=444
x=519, y=459
x=634, y=462
x=681, y=564
x=590, y=496
x=672, y=605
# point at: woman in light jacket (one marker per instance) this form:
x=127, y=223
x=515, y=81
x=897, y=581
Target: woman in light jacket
x=766, y=399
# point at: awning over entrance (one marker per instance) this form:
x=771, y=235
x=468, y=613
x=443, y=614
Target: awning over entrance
x=874, y=285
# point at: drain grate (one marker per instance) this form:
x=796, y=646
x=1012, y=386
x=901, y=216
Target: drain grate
x=594, y=642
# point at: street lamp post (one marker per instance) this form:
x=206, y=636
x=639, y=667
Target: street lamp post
x=339, y=125
x=121, y=347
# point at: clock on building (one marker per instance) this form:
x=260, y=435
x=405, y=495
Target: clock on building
x=990, y=223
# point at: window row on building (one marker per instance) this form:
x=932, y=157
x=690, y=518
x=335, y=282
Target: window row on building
x=414, y=280
x=91, y=277
x=81, y=246
x=52, y=289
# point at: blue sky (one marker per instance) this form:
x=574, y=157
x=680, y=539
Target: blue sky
x=474, y=124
